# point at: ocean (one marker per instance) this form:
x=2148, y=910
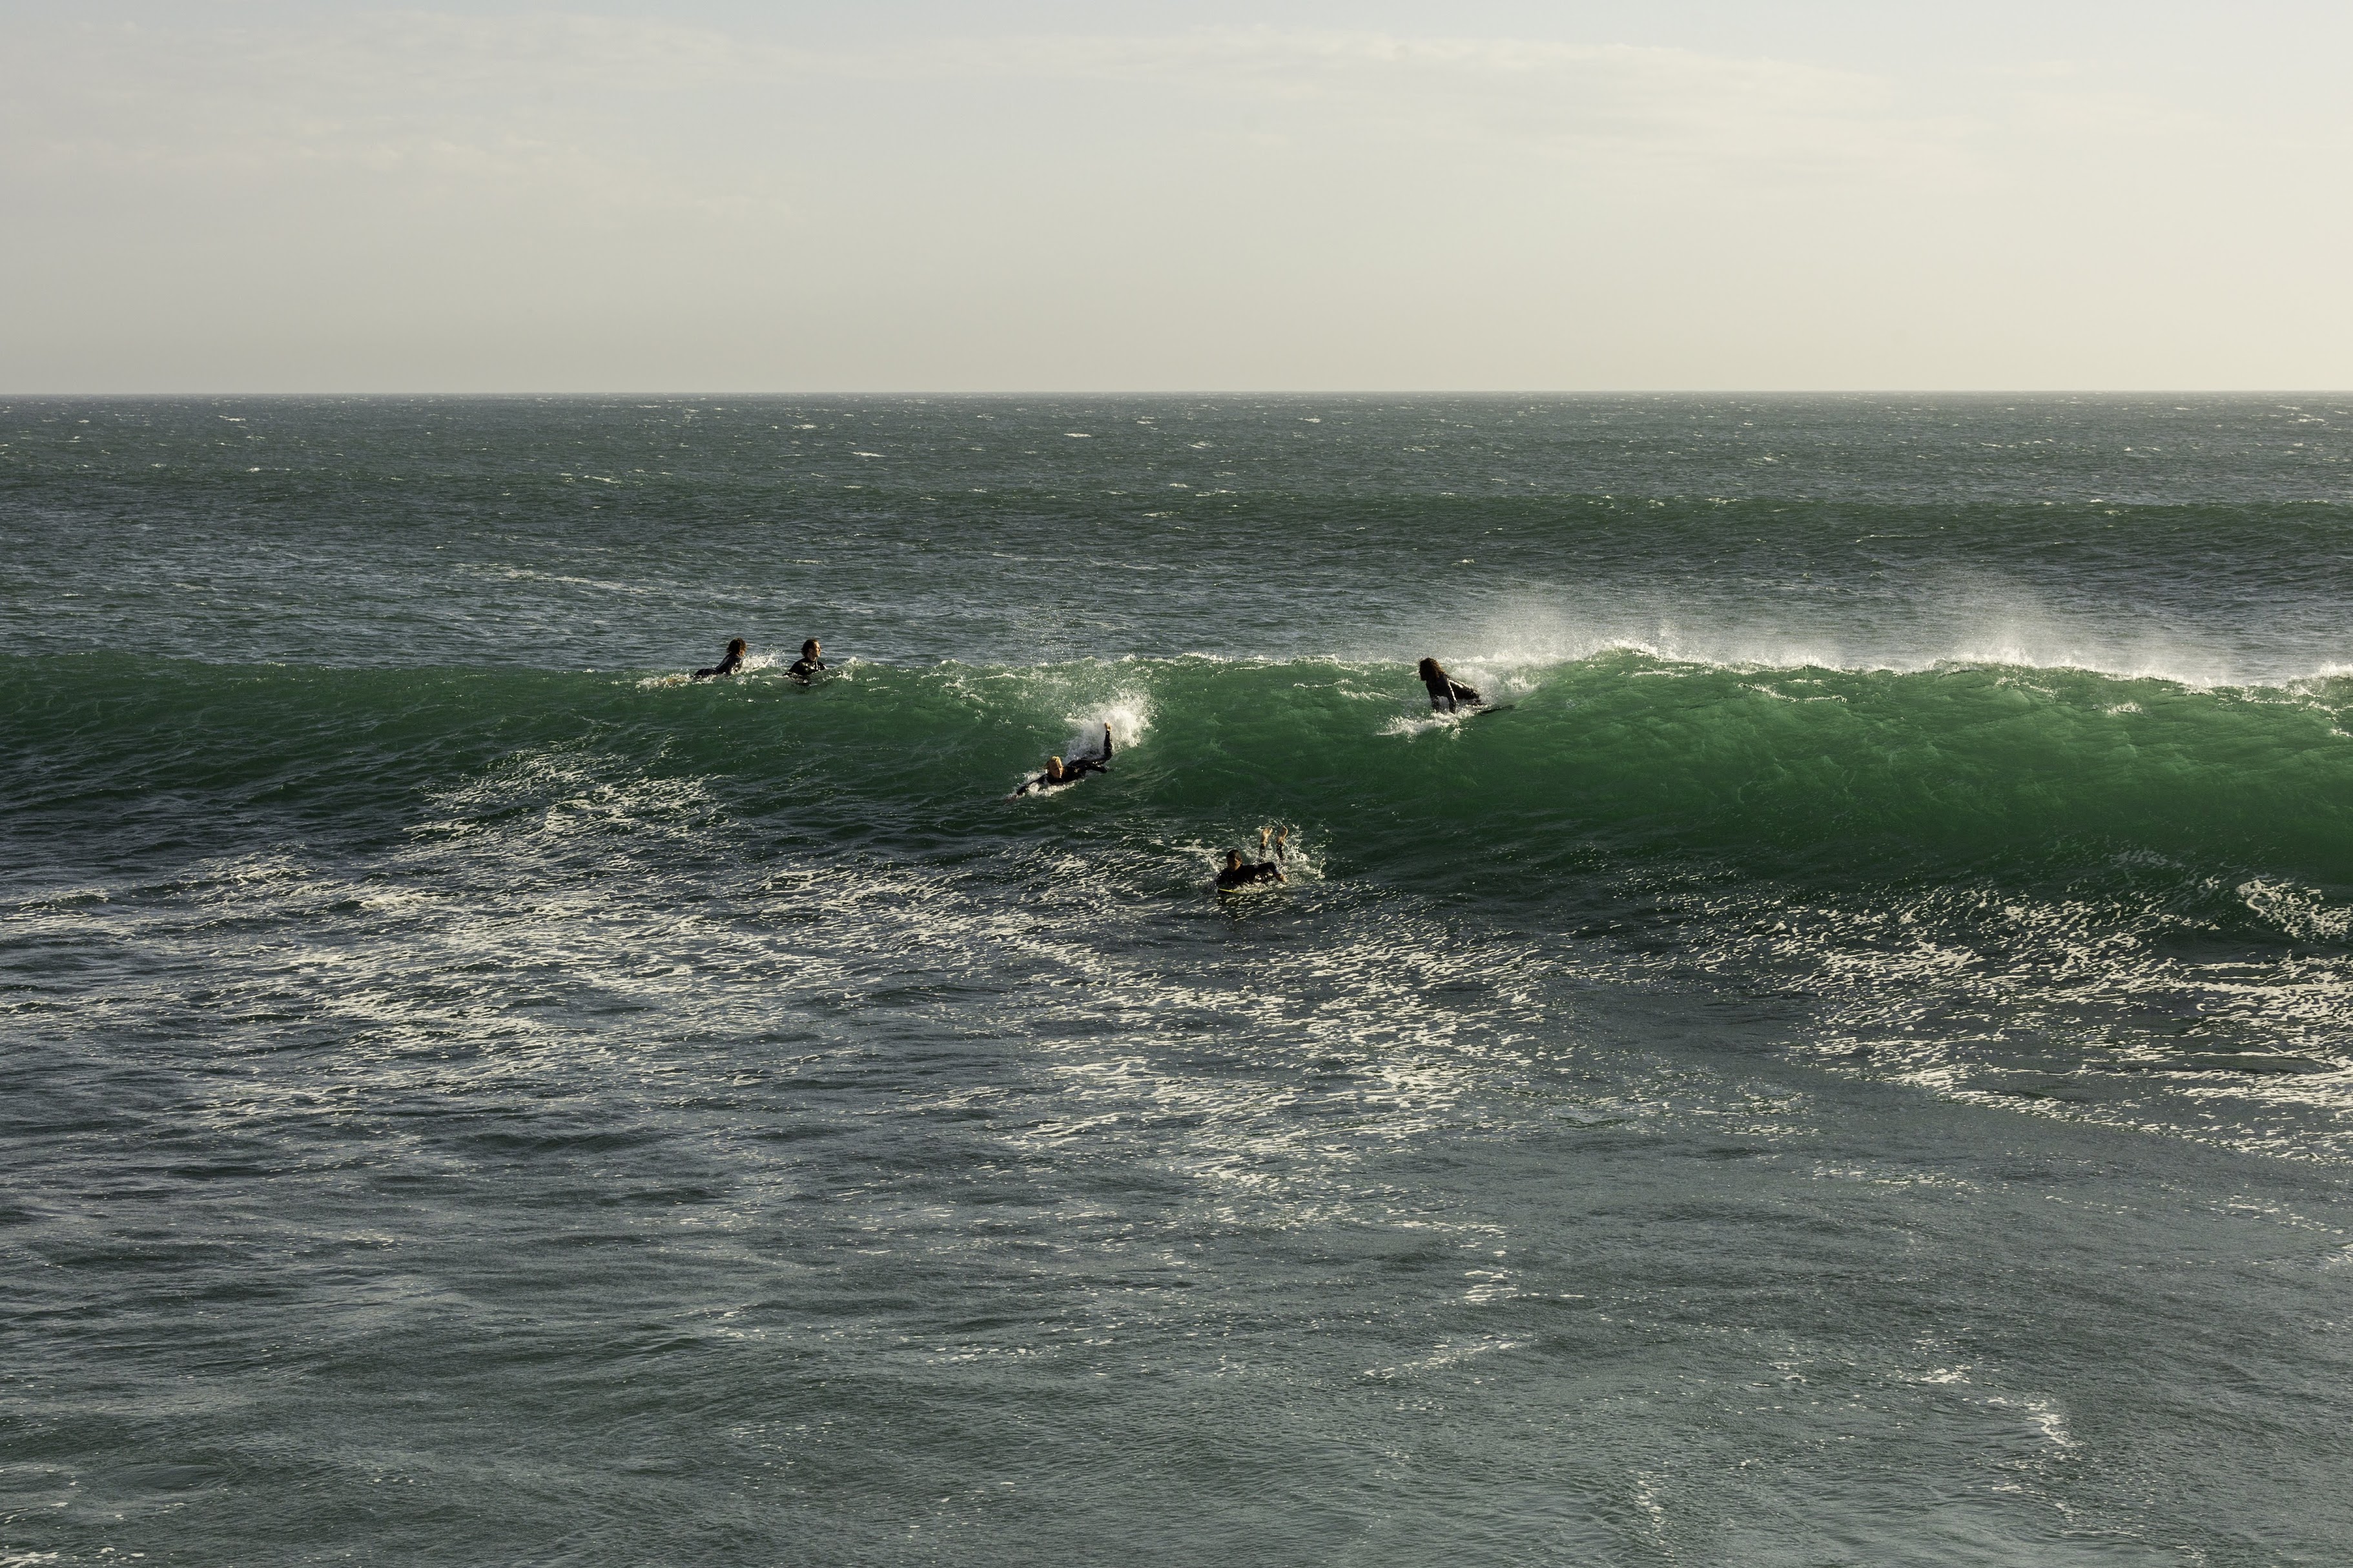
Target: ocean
x=1853, y=1066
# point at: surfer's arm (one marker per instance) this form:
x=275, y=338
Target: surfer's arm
x=1101, y=765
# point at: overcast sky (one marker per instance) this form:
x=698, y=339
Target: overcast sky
x=920, y=196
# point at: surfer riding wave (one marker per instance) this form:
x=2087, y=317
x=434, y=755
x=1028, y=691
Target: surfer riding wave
x=729, y=665
x=1059, y=773
x=1446, y=694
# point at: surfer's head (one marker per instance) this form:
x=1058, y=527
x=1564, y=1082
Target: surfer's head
x=1433, y=670
x=808, y=648
x=1233, y=859
x=1053, y=767
x=735, y=646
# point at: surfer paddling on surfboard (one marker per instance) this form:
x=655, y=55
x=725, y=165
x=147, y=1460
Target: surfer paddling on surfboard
x=808, y=664
x=1446, y=694
x=727, y=666
x=1239, y=874
x=1059, y=773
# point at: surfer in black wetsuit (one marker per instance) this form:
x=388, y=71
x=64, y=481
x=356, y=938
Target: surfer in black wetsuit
x=728, y=666
x=1446, y=693
x=1059, y=773
x=1240, y=874
x=808, y=664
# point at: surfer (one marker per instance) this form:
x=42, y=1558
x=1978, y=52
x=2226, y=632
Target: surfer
x=728, y=666
x=1059, y=773
x=1240, y=874
x=1446, y=693
x=808, y=664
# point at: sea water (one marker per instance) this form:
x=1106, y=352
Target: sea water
x=1852, y=1067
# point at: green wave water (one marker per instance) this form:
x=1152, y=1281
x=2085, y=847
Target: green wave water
x=1832, y=772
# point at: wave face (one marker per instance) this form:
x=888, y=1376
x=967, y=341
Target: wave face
x=2170, y=868
x=1810, y=772
x=1875, y=1000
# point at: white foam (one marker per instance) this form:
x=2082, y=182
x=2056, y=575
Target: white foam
x=752, y=664
x=1961, y=620
x=1413, y=726
x=1129, y=715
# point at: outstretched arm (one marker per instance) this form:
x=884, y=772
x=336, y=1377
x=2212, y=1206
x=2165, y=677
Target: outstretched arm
x=1100, y=764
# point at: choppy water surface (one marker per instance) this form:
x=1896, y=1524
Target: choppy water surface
x=1852, y=1067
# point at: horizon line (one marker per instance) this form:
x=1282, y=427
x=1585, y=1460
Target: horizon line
x=913, y=395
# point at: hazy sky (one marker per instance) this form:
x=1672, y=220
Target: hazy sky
x=715, y=197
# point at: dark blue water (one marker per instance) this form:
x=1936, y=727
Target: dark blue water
x=1852, y=1066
